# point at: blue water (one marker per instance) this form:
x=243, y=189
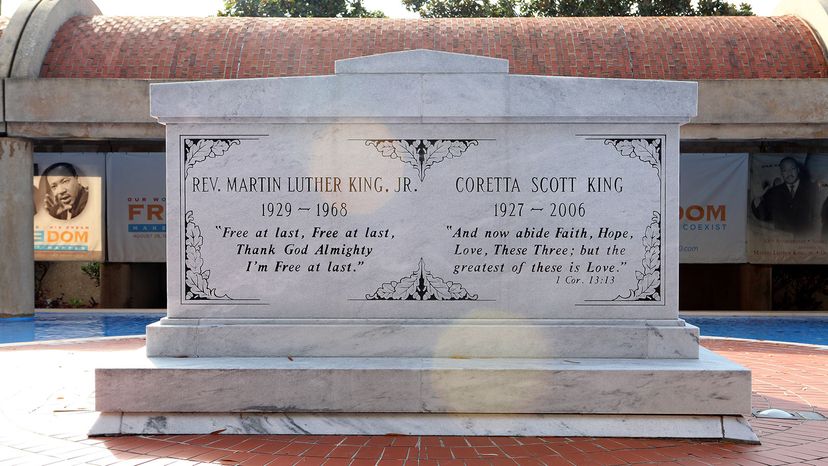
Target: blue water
x=813, y=330
x=56, y=326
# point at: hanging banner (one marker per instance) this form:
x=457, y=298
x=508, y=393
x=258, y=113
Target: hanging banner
x=788, y=220
x=136, y=200
x=712, y=208
x=68, y=206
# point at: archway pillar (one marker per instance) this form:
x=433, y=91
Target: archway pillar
x=16, y=227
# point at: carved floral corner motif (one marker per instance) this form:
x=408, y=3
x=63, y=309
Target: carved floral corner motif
x=199, y=150
x=196, y=277
x=421, y=285
x=648, y=286
x=646, y=150
x=421, y=154
x=648, y=278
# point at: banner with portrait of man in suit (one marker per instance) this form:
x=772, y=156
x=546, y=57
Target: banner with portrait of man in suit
x=68, y=206
x=787, y=211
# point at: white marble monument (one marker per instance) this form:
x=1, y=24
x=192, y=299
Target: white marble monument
x=424, y=243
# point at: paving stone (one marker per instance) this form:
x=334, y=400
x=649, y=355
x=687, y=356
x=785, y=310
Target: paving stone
x=785, y=377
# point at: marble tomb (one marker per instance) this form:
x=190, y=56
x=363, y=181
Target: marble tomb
x=423, y=243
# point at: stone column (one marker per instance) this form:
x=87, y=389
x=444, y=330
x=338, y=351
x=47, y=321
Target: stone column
x=16, y=228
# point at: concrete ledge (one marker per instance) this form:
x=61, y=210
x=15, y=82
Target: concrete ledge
x=747, y=132
x=762, y=102
x=413, y=340
x=103, y=101
x=61, y=109
x=700, y=427
x=746, y=109
x=147, y=131
x=711, y=385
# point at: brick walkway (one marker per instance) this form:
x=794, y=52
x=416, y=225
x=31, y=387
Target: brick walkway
x=44, y=413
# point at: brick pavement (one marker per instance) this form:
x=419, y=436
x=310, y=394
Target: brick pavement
x=789, y=377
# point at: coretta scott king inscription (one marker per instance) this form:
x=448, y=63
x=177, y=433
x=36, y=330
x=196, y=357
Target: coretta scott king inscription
x=335, y=221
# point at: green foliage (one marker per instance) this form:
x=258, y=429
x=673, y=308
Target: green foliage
x=594, y=7
x=299, y=9
x=463, y=8
x=574, y=7
x=75, y=303
x=722, y=8
x=93, y=271
x=665, y=8
x=506, y=8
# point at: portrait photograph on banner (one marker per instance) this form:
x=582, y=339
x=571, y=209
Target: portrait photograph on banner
x=788, y=209
x=68, y=206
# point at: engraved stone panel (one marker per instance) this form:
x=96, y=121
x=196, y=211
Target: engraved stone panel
x=426, y=221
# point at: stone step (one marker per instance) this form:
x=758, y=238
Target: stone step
x=547, y=338
x=710, y=385
x=547, y=425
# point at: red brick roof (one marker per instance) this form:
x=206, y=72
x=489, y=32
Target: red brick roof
x=219, y=48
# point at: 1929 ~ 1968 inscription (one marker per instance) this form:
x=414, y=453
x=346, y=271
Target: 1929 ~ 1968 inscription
x=481, y=220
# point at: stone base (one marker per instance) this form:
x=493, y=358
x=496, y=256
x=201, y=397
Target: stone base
x=426, y=338
x=711, y=385
x=553, y=425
